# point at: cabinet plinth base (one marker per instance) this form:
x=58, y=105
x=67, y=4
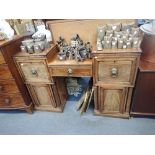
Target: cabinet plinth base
x=50, y=108
x=119, y=115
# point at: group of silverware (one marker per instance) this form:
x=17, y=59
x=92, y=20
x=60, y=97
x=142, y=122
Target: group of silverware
x=35, y=44
x=121, y=36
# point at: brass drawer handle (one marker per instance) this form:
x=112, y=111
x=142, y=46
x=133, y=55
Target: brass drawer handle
x=34, y=72
x=114, y=72
x=70, y=71
x=7, y=101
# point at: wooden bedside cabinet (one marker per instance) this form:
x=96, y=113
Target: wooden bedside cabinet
x=13, y=92
x=45, y=91
x=114, y=73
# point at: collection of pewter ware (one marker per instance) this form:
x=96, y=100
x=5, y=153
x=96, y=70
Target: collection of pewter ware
x=35, y=45
x=77, y=50
x=121, y=36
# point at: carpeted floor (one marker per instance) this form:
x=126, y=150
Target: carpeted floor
x=70, y=122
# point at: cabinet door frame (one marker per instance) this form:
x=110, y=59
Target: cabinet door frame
x=100, y=98
x=97, y=60
x=33, y=93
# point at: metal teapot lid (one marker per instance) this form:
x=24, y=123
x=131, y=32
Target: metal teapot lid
x=148, y=28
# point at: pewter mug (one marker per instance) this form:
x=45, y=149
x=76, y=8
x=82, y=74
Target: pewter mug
x=23, y=48
x=47, y=44
x=41, y=45
x=109, y=33
x=116, y=27
x=30, y=48
x=117, y=34
x=114, y=44
x=135, y=32
x=107, y=44
x=27, y=42
x=120, y=43
x=101, y=32
x=99, y=45
x=135, y=43
x=128, y=44
x=124, y=46
x=37, y=48
x=127, y=27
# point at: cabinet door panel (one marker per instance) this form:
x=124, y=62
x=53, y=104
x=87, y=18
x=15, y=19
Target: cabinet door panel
x=112, y=100
x=42, y=95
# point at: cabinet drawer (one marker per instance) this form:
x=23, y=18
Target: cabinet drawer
x=5, y=72
x=2, y=61
x=34, y=71
x=11, y=101
x=115, y=70
x=71, y=71
x=8, y=86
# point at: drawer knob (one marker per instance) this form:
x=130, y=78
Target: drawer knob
x=7, y=101
x=34, y=72
x=70, y=71
x=114, y=72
